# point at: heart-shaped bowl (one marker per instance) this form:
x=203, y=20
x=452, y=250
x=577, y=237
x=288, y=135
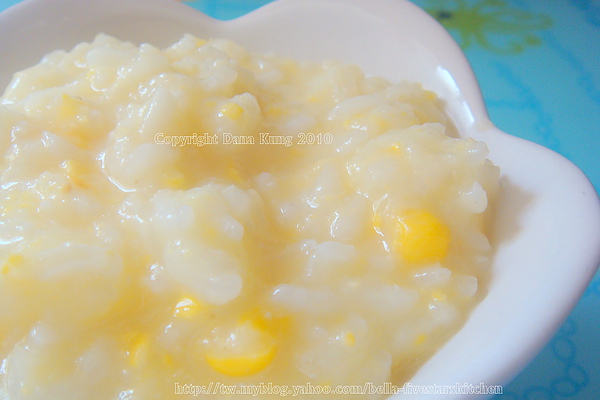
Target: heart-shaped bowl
x=547, y=221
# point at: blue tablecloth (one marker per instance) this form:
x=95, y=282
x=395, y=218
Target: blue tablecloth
x=538, y=63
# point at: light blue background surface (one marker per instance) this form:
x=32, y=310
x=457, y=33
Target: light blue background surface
x=547, y=93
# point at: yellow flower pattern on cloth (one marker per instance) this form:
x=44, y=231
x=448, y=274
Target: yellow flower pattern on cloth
x=491, y=24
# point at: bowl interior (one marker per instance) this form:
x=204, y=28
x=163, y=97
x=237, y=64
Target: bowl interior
x=547, y=221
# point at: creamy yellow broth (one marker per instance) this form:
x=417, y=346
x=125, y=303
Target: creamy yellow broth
x=200, y=215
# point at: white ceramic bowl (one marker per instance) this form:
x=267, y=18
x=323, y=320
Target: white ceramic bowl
x=547, y=227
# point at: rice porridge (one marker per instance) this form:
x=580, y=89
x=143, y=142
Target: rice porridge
x=200, y=215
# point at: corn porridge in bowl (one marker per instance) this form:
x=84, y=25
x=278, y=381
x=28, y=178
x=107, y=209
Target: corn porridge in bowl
x=201, y=214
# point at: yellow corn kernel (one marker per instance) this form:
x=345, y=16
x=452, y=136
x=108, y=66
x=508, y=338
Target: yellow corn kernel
x=79, y=136
x=139, y=350
x=200, y=42
x=274, y=326
x=248, y=348
x=380, y=122
x=76, y=172
x=70, y=107
x=66, y=188
x=168, y=361
x=256, y=318
x=438, y=295
x=395, y=148
x=231, y=110
x=349, y=338
x=422, y=237
x=175, y=180
x=73, y=114
x=187, y=308
x=242, y=365
x=420, y=339
x=274, y=111
x=233, y=173
x=15, y=260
